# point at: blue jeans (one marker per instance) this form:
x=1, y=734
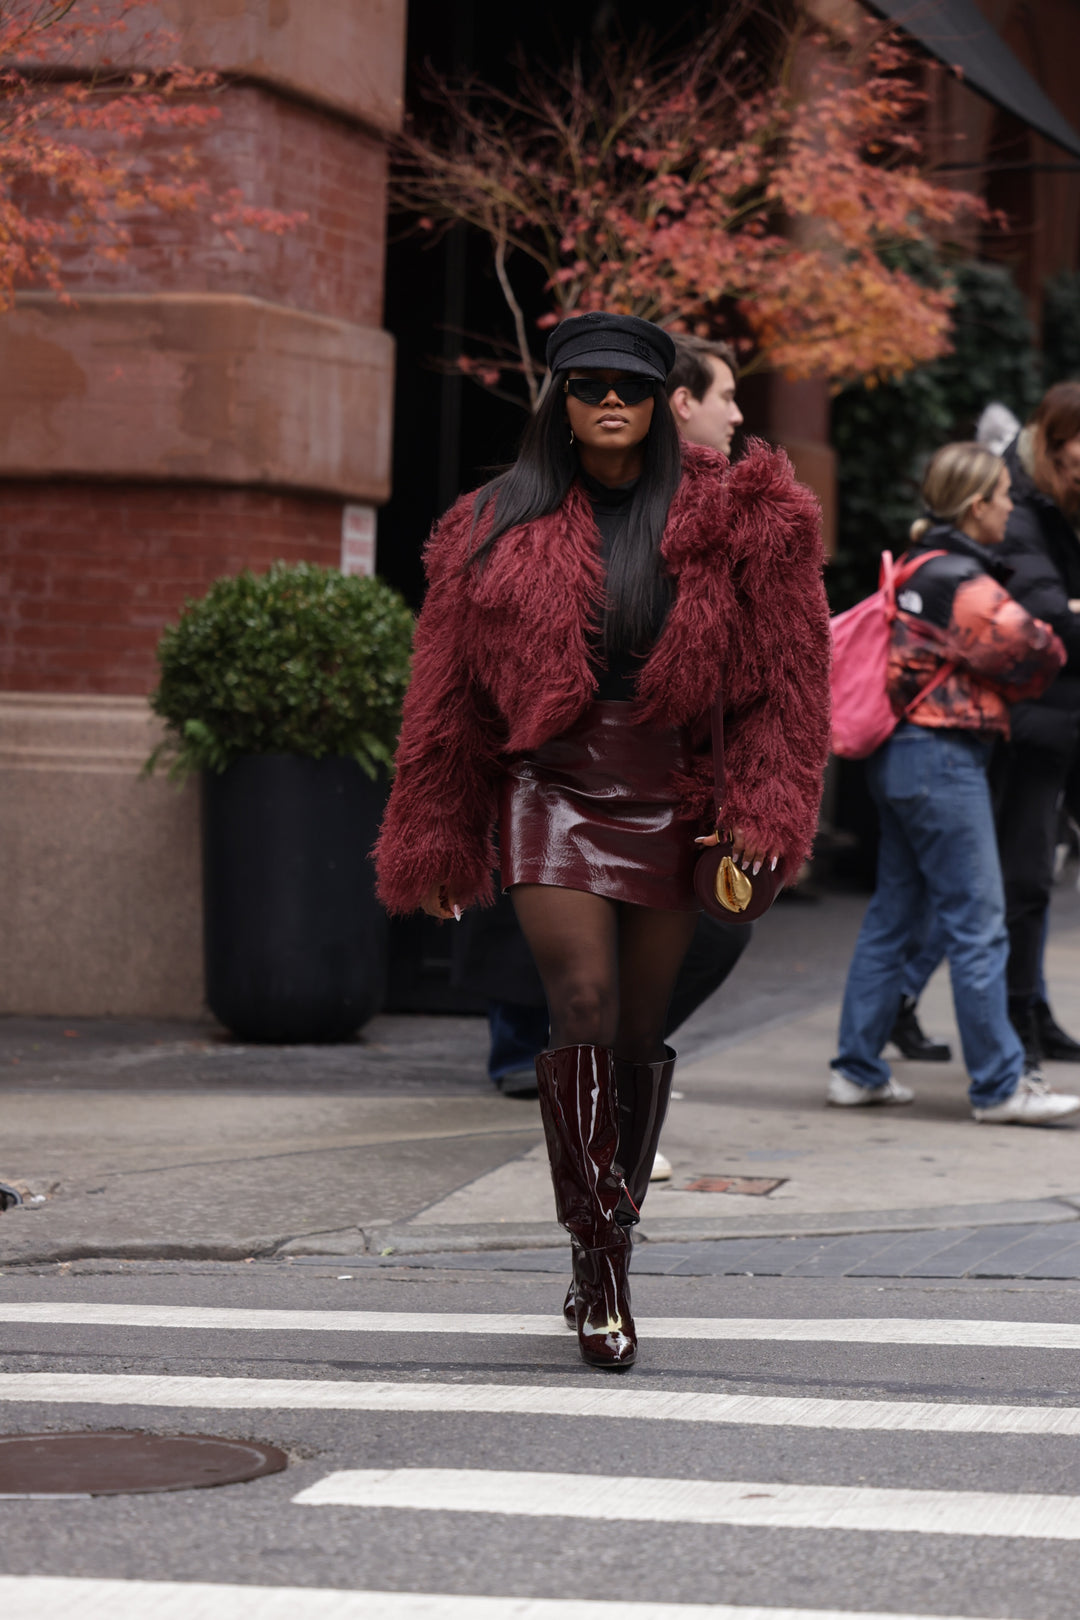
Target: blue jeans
x=938, y=849
x=929, y=952
x=517, y=1034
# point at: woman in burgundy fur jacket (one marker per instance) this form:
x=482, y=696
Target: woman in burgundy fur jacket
x=582, y=610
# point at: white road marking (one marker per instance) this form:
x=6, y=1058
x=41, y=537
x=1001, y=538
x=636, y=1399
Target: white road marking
x=55, y=1598
x=523, y=1400
x=888, y=1330
x=700, y=1501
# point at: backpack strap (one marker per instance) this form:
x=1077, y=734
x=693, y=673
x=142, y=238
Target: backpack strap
x=719, y=768
x=941, y=674
x=893, y=578
x=894, y=574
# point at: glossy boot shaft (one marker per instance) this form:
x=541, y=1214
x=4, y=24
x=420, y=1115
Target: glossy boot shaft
x=643, y=1091
x=581, y=1125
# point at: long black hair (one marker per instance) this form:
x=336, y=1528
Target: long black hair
x=638, y=591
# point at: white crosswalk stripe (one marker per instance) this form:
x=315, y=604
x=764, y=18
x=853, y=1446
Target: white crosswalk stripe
x=51, y=1598
x=530, y=1494
x=700, y=1501
x=781, y=1330
x=652, y=1405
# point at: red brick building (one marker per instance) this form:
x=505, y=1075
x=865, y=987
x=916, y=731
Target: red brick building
x=197, y=411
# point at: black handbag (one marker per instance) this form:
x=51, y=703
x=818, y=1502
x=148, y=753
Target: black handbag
x=724, y=889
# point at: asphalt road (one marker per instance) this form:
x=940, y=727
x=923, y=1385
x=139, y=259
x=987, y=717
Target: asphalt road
x=916, y=1474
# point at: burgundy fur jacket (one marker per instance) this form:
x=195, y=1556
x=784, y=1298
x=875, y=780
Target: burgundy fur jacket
x=502, y=664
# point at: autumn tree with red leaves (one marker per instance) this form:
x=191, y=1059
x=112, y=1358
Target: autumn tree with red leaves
x=75, y=122
x=701, y=192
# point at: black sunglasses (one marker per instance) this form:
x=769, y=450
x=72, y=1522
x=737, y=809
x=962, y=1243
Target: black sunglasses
x=591, y=391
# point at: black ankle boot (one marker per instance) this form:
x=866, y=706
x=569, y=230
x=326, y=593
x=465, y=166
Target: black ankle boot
x=912, y=1040
x=1054, y=1042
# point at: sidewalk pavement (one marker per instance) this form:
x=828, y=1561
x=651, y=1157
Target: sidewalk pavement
x=151, y=1141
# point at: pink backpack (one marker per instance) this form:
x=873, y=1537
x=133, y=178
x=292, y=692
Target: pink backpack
x=862, y=716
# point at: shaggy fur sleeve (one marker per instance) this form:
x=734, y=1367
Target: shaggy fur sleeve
x=777, y=701
x=438, y=823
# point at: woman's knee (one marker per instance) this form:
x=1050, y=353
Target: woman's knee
x=583, y=1013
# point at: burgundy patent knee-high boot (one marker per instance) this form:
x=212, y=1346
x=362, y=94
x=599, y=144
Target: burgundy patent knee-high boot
x=581, y=1124
x=643, y=1091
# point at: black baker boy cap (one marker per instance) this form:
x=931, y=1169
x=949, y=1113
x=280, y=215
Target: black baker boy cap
x=600, y=342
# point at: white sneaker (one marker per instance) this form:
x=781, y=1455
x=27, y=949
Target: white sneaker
x=661, y=1169
x=844, y=1093
x=1032, y=1103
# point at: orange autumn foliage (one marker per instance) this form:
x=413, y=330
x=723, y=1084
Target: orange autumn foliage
x=88, y=140
x=702, y=193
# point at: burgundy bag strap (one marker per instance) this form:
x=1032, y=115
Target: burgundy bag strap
x=719, y=772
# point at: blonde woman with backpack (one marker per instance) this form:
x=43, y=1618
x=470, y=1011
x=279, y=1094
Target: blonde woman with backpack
x=961, y=651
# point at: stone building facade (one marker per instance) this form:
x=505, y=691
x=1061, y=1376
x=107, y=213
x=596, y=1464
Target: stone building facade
x=199, y=409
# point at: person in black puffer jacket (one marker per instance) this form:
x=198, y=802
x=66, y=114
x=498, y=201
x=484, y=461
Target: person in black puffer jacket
x=1042, y=547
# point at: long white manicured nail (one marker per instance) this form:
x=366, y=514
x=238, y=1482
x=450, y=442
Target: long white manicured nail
x=457, y=913
x=757, y=868
x=773, y=863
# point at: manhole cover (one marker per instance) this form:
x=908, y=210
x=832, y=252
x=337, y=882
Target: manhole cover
x=113, y=1462
x=749, y=1186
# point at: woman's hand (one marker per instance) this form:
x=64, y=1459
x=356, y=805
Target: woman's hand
x=439, y=902
x=749, y=856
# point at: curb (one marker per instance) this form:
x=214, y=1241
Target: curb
x=384, y=1242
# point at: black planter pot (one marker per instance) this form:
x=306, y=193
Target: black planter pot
x=295, y=940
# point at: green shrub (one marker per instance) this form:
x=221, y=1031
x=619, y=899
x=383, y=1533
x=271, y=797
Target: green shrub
x=301, y=660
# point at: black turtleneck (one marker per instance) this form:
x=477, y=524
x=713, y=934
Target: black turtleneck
x=616, y=676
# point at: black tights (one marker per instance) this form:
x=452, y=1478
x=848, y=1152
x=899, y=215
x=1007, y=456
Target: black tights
x=608, y=968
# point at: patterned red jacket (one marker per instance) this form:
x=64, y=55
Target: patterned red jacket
x=502, y=663
x=956, y=609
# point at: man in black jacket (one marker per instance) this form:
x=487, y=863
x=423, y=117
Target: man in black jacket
x=1043, y=547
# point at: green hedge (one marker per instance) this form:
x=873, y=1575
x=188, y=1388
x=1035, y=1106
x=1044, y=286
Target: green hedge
x=300, y=660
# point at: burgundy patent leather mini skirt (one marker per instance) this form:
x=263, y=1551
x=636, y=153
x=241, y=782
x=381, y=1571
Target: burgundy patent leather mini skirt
x=596, y=809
